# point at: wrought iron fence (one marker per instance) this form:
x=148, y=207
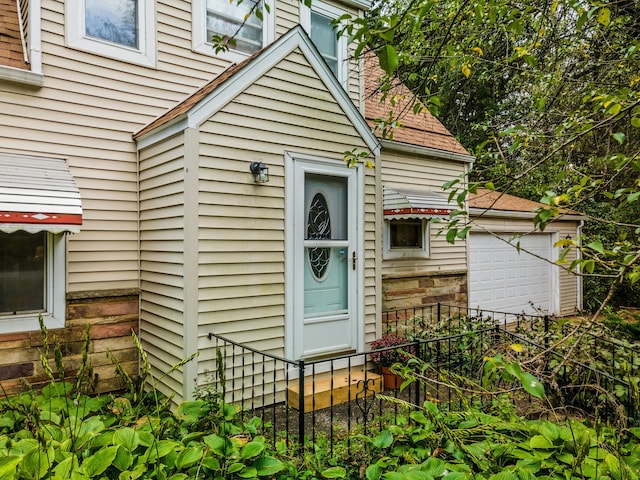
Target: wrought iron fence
x=326, y=400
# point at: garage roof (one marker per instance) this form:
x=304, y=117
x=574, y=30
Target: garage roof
x=399, y=202
x=490, y=200
x=38, y=194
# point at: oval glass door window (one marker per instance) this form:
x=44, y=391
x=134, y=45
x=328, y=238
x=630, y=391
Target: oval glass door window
x=319, y=228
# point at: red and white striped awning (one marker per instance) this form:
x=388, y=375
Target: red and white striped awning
x=38, y=194
x=404, y=203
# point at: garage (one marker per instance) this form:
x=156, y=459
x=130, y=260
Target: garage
x=505, y=279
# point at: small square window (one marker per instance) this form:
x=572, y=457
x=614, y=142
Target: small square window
x=239, y=21
x=120, y=29
x=32, y=280
x=405, y=234
x=406, y=238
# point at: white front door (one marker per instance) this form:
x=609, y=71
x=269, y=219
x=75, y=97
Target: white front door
x=325, y=264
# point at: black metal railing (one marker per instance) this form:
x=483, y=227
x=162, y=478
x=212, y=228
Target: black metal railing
x=326, y=400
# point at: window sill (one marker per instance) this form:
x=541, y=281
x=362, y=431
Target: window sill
x=25, y=77
x=28, y=323
x=404, y=254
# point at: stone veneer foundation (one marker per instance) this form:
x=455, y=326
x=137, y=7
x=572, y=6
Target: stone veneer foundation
x=409, y=290
x=112, y=316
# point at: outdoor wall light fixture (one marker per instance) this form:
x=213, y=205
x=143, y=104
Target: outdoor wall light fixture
x=260, y=172
x=568, y=237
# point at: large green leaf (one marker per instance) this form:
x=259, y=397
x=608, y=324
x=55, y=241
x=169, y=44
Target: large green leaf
x=8, y=466
x=383, y=440
x=124, y=458
x=388, y=58
x=127, y=437
x=218, y=445
x=252, y=449
x=538, y=441
x=334, y=472
x=188, y=456
x=268, y=466
x=373, y=472
x=532, y=385
x=97, y=463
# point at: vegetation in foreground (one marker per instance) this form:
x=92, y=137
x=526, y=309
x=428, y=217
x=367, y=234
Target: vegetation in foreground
x=64, y=433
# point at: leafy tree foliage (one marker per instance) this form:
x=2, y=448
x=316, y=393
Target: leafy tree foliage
x=547, y=95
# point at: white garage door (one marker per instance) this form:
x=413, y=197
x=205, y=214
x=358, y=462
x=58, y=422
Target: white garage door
x=505, y=280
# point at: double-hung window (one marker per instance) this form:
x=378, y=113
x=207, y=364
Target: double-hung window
x=242, y=27
x=121, y=29
x=318, y=21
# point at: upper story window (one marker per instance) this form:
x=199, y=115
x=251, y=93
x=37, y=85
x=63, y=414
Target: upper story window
x=121, y=29
x=317, y=20
x=239, y=23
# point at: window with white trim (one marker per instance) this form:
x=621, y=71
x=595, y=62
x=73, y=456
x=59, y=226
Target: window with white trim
x=248, y=24
x=120, y=29
x=32, y=280
x=317, y=21
x=406, y=238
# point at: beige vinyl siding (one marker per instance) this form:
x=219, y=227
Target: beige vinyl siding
x=427, y=173
x=287, y=15
x=87, y=111
x=242, y=224
x=567, y=281
x=162, y=205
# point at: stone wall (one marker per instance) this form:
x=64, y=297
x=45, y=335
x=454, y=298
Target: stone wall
x=111, y=317
x=408, y=291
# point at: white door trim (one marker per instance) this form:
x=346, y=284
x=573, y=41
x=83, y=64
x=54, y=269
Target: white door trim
x=296, y=165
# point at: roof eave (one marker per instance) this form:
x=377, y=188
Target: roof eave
x=488, y=212
x=427, y=151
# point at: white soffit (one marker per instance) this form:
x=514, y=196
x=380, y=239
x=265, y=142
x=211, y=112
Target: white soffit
x=38, y=194
x=403, y=203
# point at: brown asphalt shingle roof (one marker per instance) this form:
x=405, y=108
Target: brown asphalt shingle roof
x=490, y=199
x=421, y=129
x=184, y=106
x=11, y=52
x=486, y=199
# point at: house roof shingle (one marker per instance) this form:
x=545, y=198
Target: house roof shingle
x=420, y=129
x=11, y=51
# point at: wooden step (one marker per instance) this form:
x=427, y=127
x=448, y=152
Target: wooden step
x=345, y=388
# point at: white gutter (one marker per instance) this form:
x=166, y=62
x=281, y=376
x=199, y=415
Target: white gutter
x=427, y=151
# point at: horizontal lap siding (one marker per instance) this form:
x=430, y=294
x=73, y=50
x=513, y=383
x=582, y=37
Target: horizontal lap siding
x=242, y=224
x=568, y=281
x=162, y=256
x=86, y=112
x=428, y=174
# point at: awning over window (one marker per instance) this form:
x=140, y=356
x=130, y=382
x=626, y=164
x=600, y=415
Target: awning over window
x=402, y=203
x=38, y=194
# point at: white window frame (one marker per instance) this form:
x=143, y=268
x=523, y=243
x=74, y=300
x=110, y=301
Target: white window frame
x=33, y=48
x=55, y=274
x=201, y=44
x=332, y=12
x=144, y=55
x=399, y=253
